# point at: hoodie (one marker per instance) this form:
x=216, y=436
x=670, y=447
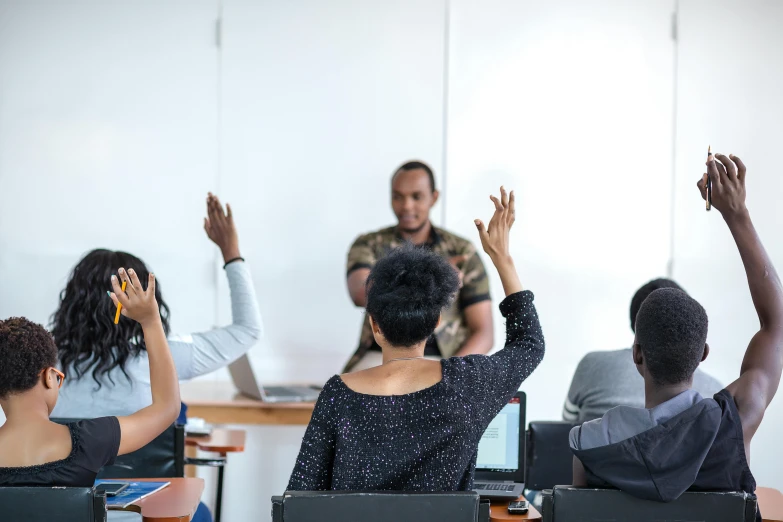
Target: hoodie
x=685, y=443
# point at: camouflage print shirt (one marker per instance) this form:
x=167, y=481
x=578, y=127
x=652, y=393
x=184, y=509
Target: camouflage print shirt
x=452, y=331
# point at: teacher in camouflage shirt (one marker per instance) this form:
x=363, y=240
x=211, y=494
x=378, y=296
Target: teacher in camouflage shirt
x=466, y=327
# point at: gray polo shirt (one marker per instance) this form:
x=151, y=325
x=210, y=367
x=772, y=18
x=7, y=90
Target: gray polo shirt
x=604, y=380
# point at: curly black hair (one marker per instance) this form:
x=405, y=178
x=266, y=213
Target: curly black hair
x=406, y=292
x=26, y=349
x=83, y=325
x=671, y=330
x=646, y=290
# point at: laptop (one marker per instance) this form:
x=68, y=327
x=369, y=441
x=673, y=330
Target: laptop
x=500, y=463
x=245, y=381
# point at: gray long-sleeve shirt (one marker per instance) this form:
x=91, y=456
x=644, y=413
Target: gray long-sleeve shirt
x=604, y=380
x=193, y=355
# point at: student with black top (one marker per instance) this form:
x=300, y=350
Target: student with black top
x=681, y=441
x=35, y=451
x=413, y=423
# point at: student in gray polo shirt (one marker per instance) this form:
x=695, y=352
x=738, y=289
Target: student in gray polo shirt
x=593, y=393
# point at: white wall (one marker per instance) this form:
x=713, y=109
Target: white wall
x=561, y=102
x=301, y=116
x=729, y=85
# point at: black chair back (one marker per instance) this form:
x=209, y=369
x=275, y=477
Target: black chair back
x=570, y=504
x=549, y=458
x=163, y=457
x=52, y=504
x=379, y=506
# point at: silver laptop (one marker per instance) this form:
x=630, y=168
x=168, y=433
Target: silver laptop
x=500, y=463
x=245, y=381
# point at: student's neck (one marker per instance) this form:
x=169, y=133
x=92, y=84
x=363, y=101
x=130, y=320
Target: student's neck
x=420, y=236
x=25, y=409
x=391, y=353
x=655, y=394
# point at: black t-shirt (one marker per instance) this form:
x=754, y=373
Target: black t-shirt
x=95, y=443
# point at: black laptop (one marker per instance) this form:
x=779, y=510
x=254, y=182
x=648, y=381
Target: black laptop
x=500, y=464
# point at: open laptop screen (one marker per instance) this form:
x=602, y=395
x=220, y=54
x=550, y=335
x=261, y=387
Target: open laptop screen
x=499, y=446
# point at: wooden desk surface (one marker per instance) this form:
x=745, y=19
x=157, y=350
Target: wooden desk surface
x=219, y=441
x=221, y=403
x=177, y=502
x=498, y=511
x=770, y=504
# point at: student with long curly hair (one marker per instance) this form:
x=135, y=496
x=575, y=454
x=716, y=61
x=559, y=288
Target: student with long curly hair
x=106, y=364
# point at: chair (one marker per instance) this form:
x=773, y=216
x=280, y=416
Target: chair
x=379, y=506
x=567, y=504
x=549, y=457
x=52, y=504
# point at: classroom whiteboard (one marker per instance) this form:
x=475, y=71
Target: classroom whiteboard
x=108, y=118
x=321, y=102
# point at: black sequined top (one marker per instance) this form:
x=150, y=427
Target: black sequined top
x=421, y=441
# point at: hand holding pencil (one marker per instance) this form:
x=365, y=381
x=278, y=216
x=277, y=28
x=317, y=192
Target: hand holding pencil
x=132, y=300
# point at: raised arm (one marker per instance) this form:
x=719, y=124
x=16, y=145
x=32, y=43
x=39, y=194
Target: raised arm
x=140, y=305
x=495, y=240
x=761, y=367
x=491, y=380
x=207, y=351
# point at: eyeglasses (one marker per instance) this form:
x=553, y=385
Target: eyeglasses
x=60, y=376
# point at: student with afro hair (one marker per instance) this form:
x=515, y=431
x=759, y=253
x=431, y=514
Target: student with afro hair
x=680, y=440
x=39, y=452
x=413, y=423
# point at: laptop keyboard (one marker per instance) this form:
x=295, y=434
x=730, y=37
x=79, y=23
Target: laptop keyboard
x=494, y=487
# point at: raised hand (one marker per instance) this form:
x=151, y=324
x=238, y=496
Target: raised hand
x=220, y=228
x=495, y=240
x=137, y=303
x=727, y=176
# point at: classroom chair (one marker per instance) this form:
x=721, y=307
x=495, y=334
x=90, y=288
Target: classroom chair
x=379, y=506
x=549, y=458
x=47, y=504
x=570, y=504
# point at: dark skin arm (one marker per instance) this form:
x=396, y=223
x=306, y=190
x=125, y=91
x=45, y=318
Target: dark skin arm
x=357, y=288
x=761, y=367
x=478, y=318
x=580, y=477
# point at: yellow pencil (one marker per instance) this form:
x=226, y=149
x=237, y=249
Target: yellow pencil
x=119, y=306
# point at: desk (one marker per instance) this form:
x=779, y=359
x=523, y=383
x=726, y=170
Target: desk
x=220, y=403
x=177, y=502
x=770, y=504
x=220, y=441
x=498, y=511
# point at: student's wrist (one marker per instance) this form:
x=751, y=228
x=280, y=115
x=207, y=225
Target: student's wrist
x=151, y=323
x=503, y=261
x=737, y=217
x=231, y=254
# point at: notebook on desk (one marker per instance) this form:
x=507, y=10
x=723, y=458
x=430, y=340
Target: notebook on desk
x=133, y=493
x=500, y=463
x=246, y=382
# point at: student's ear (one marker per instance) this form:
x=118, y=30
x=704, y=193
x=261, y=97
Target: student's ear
x=440, y=318
x=49, y=381
x=435, y=196
x=375, y=329
x=638, y=358
x=706, y=352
